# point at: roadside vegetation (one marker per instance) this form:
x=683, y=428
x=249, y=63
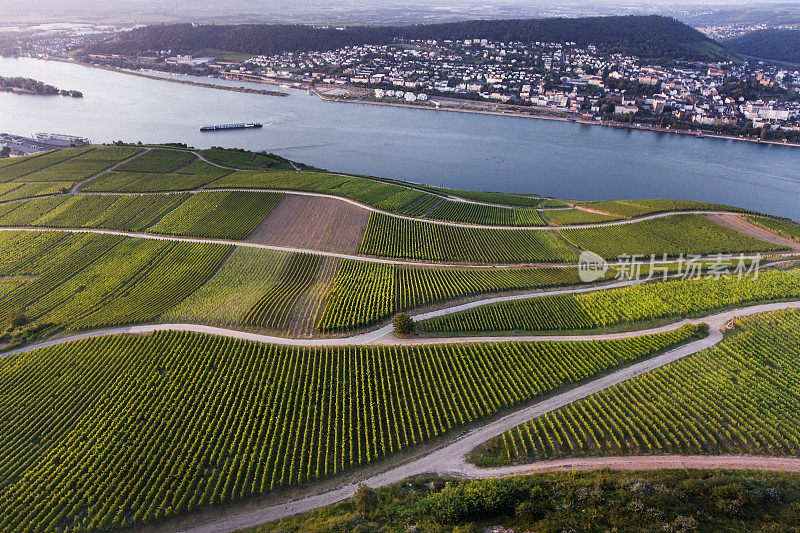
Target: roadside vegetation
x=671, y=501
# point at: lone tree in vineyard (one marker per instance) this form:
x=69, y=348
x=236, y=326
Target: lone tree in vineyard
x=403, y=324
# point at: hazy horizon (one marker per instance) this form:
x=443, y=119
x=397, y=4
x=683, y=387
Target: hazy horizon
x=373, y=11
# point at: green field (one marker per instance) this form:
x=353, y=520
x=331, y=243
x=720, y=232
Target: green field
x=245, y=160
x=738, y=397
x=364, y=293
x=389, y=236
x=484, y=214
x=16, y=191
x=628, y=305
x=82, y=166
x=167, y=423
x=18, y=167
x=230, y=215
x=671, y=236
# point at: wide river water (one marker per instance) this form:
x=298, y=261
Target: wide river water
x=458, y=150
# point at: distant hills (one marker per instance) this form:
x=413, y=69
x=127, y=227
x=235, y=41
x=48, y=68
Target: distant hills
x=645, y=36
x=777, y=45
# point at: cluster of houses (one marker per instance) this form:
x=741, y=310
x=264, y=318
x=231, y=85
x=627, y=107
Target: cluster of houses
x=556, y=76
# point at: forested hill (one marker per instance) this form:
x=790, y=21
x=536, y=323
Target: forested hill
x=645, y=36
x=778, y=45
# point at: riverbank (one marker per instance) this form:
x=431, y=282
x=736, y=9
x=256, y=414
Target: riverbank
x=518, y=112
x=140, y=74
x=448, y=104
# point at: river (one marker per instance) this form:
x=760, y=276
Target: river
x=458, y=150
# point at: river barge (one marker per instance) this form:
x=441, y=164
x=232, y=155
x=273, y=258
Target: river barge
x=238, y=126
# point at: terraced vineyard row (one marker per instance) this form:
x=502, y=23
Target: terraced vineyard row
x=275, y=308
x=158, y=160
x=566, y=217
x=16, y=168
x=786, y=228
x=672, y=235
x=82, y=166
x=390, y=236
x=230, y=215
x=621, y=306
x=740, y=397
x=129, y=213
x=191, y=177
x=485, y=214
x=160, y=425
x=637, y=208
x=364, y=293
x=101, y=280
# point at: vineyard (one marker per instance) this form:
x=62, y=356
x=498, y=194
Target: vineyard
x=16, y=191
x=371, y=192
x=611, y=307
x=190, y=177
x=739, y=397
x=158, y=160
x=130, y=212
x=281, y=307
x=364, y=293
x=638, y=208
x=231, y=215
x=672, y=235
x=82, y=166
x=389, y=236
x=485, y=214
x=82, y=281
x=168, y=423
x=567, y=217
x=786, y=228
x=227, y=297
x=17, y=168
x=246, y=160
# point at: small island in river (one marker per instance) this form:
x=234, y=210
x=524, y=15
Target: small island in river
x=31, y=86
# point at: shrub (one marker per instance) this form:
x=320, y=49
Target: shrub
x=403, y=324
x=17, y=318
x=366, y=499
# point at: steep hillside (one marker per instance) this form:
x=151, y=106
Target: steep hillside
x=646, y=36
x=778, y=45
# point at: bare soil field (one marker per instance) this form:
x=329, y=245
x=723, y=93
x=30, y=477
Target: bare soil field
x=313, y=223
x=741, y=225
